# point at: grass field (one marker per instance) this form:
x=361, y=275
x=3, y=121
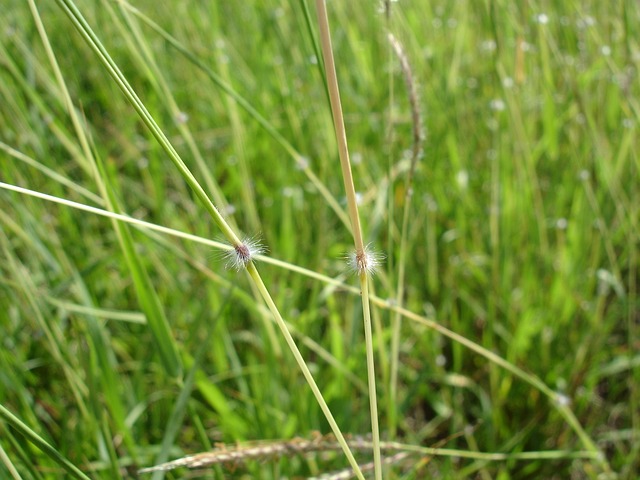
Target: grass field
x=497, y=179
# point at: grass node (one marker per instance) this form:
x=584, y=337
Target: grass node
x=364, y=261
x=239, y=256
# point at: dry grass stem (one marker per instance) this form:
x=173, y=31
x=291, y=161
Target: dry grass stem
x=233, y=455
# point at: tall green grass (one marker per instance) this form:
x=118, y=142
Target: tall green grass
x=512, y=286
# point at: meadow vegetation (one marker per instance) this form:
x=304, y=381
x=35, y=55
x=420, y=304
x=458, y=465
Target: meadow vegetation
x=496, y=163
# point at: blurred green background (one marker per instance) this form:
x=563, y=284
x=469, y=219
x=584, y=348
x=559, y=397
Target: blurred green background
x=523, y=233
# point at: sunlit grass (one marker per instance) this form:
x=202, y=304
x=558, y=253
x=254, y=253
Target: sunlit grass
x=518, y=335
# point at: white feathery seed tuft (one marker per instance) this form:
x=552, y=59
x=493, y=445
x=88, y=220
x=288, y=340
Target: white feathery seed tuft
x=366, y=261
x=240, y=255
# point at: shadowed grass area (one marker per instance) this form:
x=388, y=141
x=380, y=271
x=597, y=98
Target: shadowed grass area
x=124, y=347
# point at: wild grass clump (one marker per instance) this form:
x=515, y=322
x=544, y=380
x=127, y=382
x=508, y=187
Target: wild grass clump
x=458, y=299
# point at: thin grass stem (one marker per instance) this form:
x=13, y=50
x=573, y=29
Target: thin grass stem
x=363, y=260
x=41, y=443
x=396, y=326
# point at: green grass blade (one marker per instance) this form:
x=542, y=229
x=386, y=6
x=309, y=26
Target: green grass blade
x=41, y=443
x=145, y=291
x=180, y=408
x=6, y=461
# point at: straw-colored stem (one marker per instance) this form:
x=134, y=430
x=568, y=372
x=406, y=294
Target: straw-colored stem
x=338, y=120
x=361, y=255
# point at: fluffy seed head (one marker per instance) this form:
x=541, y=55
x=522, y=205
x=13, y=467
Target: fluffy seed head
x=240, y=255
x=364, y=261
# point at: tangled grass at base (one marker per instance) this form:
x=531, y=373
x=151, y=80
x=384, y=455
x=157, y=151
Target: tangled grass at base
x=521, y=236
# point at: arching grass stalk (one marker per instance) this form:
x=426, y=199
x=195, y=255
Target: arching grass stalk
x=362, y=261
x=245, y=255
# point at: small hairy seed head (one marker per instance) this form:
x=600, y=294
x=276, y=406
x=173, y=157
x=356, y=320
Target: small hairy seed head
x=364, y=261
x=243, y=253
